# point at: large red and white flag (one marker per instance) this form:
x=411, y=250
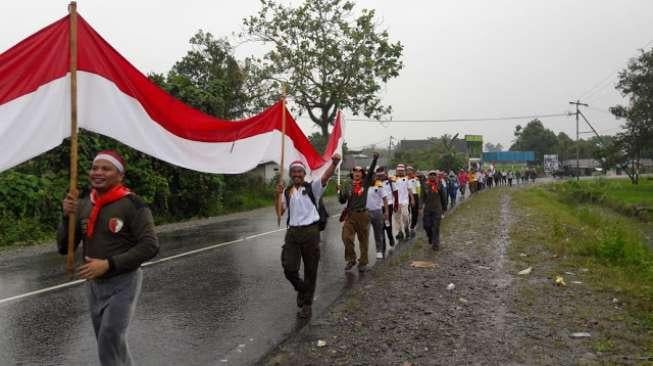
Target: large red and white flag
x=117, y=100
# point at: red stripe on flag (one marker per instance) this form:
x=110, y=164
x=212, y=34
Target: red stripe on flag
x=99, y=57
x=35, y=61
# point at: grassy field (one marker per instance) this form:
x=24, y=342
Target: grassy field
x=617, y=194
x=595, y=231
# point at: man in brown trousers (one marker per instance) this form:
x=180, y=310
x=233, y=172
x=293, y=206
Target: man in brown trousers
x=355, y=218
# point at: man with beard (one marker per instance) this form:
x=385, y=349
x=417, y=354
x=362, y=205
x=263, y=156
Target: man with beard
x=117, y=230
x=302, y=240
x=356, y=221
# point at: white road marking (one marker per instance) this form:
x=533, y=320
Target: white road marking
x=146, y=264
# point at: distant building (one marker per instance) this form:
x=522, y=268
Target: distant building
x=353, y=159
x=409, y=145
x=509, y=156
x=267, y=171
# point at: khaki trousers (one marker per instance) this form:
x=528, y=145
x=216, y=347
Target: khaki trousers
x=357, y=224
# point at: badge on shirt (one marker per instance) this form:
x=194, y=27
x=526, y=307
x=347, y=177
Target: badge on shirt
x=115, y=225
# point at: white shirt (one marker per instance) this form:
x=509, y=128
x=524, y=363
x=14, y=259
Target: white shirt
x=389, y=190
x=402, y=185
x=302, y=210
x=375, y=196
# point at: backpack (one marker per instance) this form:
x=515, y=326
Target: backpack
x=321, y=209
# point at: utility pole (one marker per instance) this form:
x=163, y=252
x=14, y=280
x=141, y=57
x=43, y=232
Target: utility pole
x=577, y=103
x=390, y=145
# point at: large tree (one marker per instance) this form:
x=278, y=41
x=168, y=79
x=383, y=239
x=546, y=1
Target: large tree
x=636, y=83
x=328, y=57
x=208, y=78
x=535, y=137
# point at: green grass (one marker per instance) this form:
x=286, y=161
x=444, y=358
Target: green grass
x=634, y=200
x=610, y=245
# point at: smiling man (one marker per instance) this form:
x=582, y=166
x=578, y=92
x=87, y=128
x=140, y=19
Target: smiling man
x=302, y=241
x=117, y=230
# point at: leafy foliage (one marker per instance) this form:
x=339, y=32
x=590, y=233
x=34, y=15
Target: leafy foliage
x=329, y=58
x=440, y=156
x=636, y=83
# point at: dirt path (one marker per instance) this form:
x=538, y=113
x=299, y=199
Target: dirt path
x=400, y=315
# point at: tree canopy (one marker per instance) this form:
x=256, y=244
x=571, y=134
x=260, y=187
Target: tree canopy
x=328, y=57
x=636, y=83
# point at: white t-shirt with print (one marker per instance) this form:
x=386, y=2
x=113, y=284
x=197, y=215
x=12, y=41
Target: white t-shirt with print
x=403, y=184
x=375, y=196
x=302, y=210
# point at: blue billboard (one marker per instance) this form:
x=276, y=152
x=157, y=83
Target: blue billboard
x=509, y=156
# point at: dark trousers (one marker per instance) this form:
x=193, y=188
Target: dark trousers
x=414, y=211
x=302, y=243
x=388, y=228
x=376, y=219
x=432, y=226
x=113, y=302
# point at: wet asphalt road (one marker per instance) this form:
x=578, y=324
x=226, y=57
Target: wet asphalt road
x=228, y=306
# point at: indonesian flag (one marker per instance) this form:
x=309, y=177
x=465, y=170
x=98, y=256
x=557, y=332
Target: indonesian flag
x=117, y=100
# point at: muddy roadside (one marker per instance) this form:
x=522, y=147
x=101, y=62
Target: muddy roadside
x=401, y=315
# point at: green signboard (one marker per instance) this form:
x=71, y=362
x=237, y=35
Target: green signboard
x=474, y=145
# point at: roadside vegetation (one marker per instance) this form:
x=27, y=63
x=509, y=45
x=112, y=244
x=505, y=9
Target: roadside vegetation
x=591, y=234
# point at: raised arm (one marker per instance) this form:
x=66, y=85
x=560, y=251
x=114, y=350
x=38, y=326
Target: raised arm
x=369, y=176
x=335, y=159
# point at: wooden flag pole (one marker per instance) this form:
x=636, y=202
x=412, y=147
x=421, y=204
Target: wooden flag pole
x=72, y=220
x=283, y=147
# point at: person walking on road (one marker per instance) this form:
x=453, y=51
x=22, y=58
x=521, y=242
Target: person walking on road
x=302, y=240
x=391, y=197
x=117, y=231
x=356, y=221
x=404, y=200
x=414, y=185
x=452, y=188
x=377, y=208
x=462, y=182
x=434, y=197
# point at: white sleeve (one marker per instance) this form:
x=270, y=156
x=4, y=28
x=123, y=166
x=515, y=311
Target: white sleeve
x=317, y=188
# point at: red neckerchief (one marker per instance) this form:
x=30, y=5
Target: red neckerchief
x=433, y=185
x=100, y=201
x=357, y=189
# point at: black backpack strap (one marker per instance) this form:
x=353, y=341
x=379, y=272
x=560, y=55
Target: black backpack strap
x=309, y=190
x=286, y=195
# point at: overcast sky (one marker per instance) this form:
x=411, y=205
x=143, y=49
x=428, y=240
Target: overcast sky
x=463, y=59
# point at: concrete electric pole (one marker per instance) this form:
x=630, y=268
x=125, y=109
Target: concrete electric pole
x=577, y=103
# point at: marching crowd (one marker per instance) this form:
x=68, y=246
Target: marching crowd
x=116, y=229
x=391, y=205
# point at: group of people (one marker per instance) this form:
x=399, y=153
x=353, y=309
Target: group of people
x=391, y=205
x=487, y=178
x=117, y=230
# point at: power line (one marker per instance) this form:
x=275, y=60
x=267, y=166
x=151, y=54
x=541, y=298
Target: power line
x=483, y=119
x=605, y=81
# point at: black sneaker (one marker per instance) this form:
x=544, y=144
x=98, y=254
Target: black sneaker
x=305, y=313
x=392, y=242
x=400, y=236
x=407, y=235
x=349, y=266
